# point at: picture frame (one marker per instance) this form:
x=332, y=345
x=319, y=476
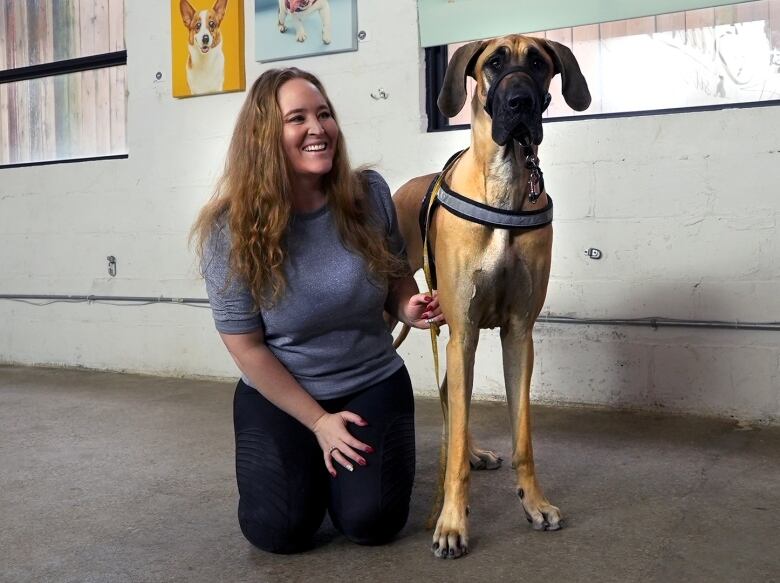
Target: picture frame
x=308, y=28
x=207, y=42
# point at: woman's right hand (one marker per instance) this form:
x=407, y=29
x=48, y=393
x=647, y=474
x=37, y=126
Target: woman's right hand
x=337, y=443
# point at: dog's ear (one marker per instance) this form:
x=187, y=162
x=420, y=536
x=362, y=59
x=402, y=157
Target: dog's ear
x=220, y=6
x=187, y=12
x=573, y=84
x=453, y=92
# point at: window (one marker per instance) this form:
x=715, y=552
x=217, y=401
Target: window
x=62, y=81
x=698, y=59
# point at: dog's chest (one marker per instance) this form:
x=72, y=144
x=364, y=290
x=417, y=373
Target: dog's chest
x=501, y=279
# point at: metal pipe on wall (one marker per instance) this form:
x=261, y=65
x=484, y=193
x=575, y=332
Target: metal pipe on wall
x=652, y=322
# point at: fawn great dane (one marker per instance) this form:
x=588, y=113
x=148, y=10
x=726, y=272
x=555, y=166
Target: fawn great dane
x=491, y=248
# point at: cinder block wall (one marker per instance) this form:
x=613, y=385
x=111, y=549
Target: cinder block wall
x=684, y=208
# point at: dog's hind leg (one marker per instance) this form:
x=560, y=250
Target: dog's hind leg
x=325, y=17
x=517, y=375
x=482, y=459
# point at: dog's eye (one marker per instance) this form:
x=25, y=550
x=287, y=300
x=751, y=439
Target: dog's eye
x=495, y=63
x=197, y=26
x=537, y=63
x=212, y=24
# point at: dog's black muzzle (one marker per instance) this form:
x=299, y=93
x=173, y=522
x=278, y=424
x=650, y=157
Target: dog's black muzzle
x=515, y=103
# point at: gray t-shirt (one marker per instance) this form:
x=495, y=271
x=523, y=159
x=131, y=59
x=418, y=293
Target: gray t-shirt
x=327, y=329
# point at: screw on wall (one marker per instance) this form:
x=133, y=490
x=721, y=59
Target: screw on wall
x=380, y=94
x=594, y=253
x=111, y=265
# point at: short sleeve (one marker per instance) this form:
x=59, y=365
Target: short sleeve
x=380, y=195
x=232, y=305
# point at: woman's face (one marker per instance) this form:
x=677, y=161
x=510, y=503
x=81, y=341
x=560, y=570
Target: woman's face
x=310, y=132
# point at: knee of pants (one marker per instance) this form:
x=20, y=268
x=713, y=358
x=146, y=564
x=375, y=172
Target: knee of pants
x=373, y=528
x=285, y=541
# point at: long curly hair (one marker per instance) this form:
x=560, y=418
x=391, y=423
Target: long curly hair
x=253, y=197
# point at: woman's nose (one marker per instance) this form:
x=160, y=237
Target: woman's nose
x=315, y=127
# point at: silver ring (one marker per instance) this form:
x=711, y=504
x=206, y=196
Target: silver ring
x=429, y=320
x=330, y=451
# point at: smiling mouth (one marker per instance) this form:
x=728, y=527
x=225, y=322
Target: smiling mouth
x=315, y=148
x=204, y=48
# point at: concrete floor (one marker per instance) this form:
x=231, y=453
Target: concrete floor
x=111, y=477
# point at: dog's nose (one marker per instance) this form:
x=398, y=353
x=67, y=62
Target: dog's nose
x=520, y=99
x=206, y=39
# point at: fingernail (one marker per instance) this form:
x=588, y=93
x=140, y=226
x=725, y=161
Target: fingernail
x=333, y=474
x=369, y=449
x=350, y=468
x=428, y=299
x=362, y=462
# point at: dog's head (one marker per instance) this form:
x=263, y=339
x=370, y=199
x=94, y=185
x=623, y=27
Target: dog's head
x=513, y=75
x=298, y=5
x=203, y=26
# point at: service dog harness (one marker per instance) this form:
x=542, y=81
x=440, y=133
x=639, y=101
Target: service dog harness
x=439, y=194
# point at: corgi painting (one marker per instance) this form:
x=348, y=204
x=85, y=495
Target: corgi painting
x=207, y=46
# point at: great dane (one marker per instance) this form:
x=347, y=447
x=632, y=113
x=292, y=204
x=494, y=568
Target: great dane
x=492, y=262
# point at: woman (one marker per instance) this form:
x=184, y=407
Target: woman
x=301, y=255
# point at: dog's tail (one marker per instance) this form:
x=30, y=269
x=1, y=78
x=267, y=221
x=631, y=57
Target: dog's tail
x=401, y=336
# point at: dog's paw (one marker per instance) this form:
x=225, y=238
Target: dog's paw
x=483, y=459
x=326, y=39
x=543, y=515
x=282, y=28
x=450, y=539
x=301, y=37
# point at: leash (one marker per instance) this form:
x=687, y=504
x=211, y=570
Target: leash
x=434, y=327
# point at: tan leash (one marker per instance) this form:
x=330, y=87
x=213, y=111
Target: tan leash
x=434, y=327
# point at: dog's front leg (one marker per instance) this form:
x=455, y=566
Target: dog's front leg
x=517, y=376
x=450, y=539
x=300, y=32
x=325, y=17
x=282, y=16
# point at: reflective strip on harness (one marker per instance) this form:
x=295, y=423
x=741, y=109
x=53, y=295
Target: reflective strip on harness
x=493, y=217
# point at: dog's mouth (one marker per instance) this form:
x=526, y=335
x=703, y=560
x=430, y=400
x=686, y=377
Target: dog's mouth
x=522, y=134
x=204, y=49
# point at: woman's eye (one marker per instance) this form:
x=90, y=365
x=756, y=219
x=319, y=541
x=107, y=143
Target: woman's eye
x=325, y=115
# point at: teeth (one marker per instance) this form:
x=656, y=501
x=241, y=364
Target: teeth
x=314, y=148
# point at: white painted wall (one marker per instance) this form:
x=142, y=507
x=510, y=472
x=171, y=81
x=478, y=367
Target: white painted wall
x=684, y=207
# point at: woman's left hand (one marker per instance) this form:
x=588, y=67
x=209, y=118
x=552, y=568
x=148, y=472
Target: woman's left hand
x=422, y=310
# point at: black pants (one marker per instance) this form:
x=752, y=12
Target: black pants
x=284, y=487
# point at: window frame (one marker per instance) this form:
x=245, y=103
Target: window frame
x=64, y=67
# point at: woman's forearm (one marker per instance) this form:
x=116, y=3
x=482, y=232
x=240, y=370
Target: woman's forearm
x=399, y=292
x=276, y=384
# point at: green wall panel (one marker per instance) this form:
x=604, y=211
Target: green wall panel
x=448, y=21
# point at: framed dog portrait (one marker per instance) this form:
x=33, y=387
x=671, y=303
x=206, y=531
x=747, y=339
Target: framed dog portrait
x=291, y=29
x=207, y=38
